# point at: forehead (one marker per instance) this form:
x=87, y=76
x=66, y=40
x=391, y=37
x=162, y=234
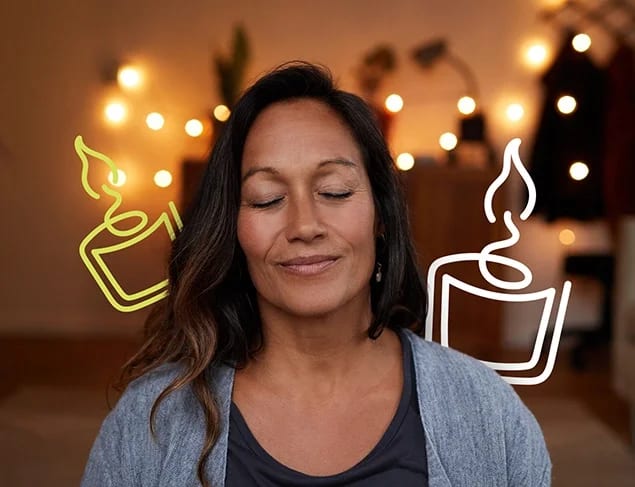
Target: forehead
x=301, y=130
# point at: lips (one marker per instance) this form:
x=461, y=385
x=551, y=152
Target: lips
x=309, y=265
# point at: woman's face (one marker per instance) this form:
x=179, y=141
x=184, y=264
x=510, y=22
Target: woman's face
x=307, y=219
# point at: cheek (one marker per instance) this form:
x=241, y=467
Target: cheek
x=357, y=226
x=252, y=236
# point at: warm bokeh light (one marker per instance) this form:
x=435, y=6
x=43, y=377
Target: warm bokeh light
x=129, y=77
x=578, y=170
x=194, y=127
x=566, y=237
x=221, y=113
x=515, y=112
x=552, y=4
x=581, y=42
x=405, y=161
x=466, y=105
x=566, y=104
x=448, y=141
x=536, y=55
x=121, y=178
x=115, y=112
x=155, y=121
x=394, y=103
x=163, y=178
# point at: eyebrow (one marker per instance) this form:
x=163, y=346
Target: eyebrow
x=270, y=170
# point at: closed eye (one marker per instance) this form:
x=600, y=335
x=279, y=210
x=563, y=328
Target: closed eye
x=338, y=196
x=266, y=204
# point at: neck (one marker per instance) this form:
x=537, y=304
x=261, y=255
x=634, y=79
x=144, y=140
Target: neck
x=318, y=354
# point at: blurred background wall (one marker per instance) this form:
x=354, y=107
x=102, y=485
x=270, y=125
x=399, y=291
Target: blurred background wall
x=53, y=56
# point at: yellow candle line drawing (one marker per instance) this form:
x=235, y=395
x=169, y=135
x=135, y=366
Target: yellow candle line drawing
x=93, y=258
x=511, y=159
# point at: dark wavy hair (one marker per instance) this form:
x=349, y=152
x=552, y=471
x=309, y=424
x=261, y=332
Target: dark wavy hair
x=210, y=317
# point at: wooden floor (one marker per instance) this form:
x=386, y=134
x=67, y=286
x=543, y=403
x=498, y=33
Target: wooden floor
x=95, y=363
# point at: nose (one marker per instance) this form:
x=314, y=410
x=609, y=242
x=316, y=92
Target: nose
x=303, y=219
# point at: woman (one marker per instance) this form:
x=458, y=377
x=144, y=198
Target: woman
x=287, y=352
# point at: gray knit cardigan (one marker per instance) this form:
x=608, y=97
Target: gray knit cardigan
x=478, y=432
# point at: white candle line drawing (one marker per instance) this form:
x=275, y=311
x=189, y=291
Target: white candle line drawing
x=448, y=282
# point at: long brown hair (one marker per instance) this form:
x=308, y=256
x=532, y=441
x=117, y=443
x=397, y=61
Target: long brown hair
x=210, y=317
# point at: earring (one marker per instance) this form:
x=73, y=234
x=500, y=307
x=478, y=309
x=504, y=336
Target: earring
x=378, y=273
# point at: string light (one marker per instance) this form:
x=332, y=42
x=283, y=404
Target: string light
x=566, y=237
x=581, y=42
x=405, y=161
x=393, y=103
x=155, y=121
x=515, y=112
x=115, y=112
x=121, y=178
x=163, y=178
x=129, y=77
x=578, y=171
x=536, y=55
x=466, y=105
x=566, y=104
x=221, y=113
x=552, y=4
x=448, y=141
x=194, y=127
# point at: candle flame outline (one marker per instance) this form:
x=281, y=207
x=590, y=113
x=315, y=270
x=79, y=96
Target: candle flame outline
x=511, y=157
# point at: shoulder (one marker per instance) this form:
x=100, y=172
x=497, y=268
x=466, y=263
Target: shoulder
x=126, y=452
x=141, y=394
x=455, y=370
x=455, y=387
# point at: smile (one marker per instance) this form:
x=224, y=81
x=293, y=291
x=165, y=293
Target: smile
x=309, y=266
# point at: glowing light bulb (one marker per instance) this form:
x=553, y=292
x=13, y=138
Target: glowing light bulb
x=222, y=113
x=405, y=161
x=466, y=105
x=536, y=55
x=394, y=103
x=581, y=42
x=121, y=178
x=578, y=171
x=129, y=77
x=115, y=112
x=155, y=121
x=566, y=237
x=553, y=3
x=163, y=178
x=566, y=104
x=448, y=141
x=194, y=127
x=515, y=112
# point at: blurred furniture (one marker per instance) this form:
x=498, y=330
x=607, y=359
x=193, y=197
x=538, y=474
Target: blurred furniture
x=447, y=217
x=624, y=306
x=599, y=267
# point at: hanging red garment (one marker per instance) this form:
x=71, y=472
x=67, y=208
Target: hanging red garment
x=619, y=135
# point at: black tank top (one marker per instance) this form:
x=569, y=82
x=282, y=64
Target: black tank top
x=398, y=459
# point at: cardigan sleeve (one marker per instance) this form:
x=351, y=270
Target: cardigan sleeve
x=108, y=463
x=528, y=462
x=125, y=453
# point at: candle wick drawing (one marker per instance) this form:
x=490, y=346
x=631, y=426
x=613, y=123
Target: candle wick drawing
x=487, y=256
x=130, y=235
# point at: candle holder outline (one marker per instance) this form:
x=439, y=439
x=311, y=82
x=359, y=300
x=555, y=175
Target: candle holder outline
x=99, y=270
x=511, y=157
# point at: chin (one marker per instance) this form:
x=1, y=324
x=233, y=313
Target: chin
x=314, y=303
